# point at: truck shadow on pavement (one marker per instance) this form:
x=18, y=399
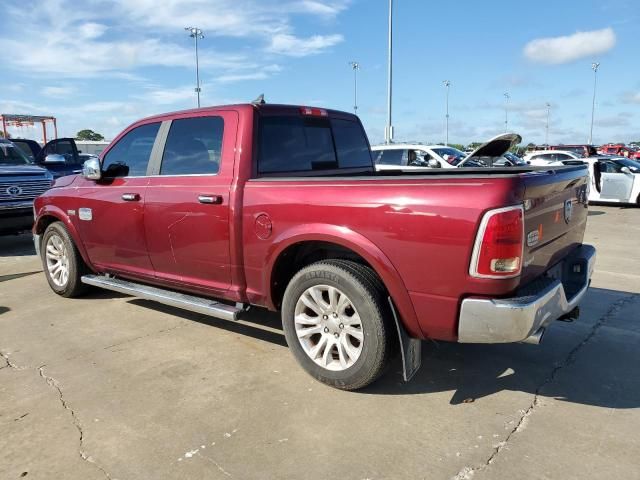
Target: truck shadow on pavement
x=591, y=361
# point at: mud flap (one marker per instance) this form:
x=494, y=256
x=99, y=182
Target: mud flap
x=410, y=348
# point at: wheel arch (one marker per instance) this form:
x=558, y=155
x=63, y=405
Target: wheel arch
x=50, y=214
x=313, y=242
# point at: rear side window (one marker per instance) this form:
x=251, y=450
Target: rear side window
x=351, y=144
x=130, y=156
x=194, y=146
x=305, y=144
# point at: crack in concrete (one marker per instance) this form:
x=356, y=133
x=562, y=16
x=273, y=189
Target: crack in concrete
x=130, y=340
x=9, y=363
x=468, y=472
x=135, y=339
x=53, y=383
x=218, y=466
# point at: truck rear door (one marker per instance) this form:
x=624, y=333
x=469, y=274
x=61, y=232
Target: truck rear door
x=555, y=207
x=187, y=202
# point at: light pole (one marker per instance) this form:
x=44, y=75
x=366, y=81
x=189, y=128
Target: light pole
x=447, y=84
x=506, y=111
x=388, y=131
x=355, y=66
x=594, y=67
x=546, y=142
x=196, y=33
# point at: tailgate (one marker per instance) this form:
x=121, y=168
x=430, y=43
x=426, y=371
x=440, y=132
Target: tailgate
x=555, y=217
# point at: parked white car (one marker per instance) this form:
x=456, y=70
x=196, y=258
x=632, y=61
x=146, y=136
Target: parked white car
x=614, y=180
x=543, y=158
x=415, y=156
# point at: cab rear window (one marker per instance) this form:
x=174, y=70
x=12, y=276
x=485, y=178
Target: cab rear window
x=307, y=144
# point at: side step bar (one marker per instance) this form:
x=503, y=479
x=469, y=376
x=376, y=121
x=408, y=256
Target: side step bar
x=192, y=303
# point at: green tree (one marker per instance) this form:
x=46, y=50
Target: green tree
x=458, y=146
x=87, y=134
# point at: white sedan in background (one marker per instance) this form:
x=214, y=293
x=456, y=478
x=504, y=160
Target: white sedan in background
x=543, y=158
x=415, y=156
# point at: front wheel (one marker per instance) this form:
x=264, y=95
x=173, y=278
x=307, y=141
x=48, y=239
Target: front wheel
x=335, y=321
x=63, y=265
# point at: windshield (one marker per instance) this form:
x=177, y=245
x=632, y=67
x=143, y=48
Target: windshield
x=633, y=166
x=451, y=155
x=11, y=155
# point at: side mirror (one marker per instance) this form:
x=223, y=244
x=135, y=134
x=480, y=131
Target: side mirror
x=433, y=163
x=91, y=169
x=54, y=158
x=626, y=170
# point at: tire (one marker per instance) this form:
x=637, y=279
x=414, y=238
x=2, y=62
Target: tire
x=351, y=340
x=57, y=247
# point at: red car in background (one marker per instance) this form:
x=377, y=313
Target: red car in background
x=621, y=150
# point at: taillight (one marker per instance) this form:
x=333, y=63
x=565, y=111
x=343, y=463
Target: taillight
x=498, y=249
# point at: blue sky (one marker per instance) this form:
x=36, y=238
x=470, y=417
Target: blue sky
x=102, y=64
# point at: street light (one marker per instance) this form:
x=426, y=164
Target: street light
x=506, y=111
x=355, y=66
x=447, y=84
x=594, y=67
x=546, y=142
x=388, y=131
x=196, y=33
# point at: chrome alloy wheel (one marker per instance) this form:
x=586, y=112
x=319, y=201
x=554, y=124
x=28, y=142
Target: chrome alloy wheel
x=57, y=260
x=328, y=327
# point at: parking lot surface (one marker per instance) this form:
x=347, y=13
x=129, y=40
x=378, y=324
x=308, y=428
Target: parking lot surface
x=108, y=386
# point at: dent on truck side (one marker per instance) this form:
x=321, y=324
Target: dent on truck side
x=351, y=240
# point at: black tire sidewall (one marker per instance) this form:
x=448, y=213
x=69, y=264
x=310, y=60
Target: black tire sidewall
x=73, y=285
x=369, y=310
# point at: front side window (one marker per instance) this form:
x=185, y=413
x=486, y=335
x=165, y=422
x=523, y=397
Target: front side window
x=130, y=156
x=194, y=146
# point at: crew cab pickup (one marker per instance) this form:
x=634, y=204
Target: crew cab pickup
x=216, y=209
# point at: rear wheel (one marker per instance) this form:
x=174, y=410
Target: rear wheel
x=335, y=321
x=63, y=265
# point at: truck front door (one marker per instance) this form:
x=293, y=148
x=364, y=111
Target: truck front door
x=187, y=212
x=110, y=212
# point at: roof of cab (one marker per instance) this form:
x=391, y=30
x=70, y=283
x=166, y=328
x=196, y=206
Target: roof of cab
x=265, y=107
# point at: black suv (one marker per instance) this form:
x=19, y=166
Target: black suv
x=20, y=183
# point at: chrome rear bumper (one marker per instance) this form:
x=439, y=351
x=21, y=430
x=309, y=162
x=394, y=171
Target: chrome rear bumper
x=516, y=319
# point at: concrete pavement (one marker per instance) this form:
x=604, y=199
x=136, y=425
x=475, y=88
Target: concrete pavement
x=112, y=387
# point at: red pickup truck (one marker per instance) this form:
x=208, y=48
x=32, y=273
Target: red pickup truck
x=216, y=209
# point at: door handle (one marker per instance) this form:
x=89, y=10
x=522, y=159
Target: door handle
x=210, y=199
x=130, y=197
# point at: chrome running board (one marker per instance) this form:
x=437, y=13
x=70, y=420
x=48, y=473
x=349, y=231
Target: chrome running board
x=192, y=303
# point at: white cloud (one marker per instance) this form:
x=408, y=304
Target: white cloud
x=290, y=45
x=58, y=91
x=565, y=49
x=115, y=37
x=631, y=97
